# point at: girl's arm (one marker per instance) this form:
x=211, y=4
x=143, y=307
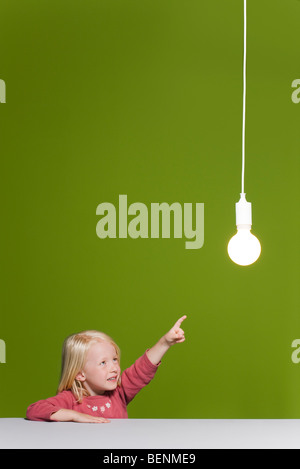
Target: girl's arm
x=59, y=409
x=174, y=336
x=44, y=408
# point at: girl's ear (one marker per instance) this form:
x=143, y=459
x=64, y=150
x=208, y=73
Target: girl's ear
x=80, y=376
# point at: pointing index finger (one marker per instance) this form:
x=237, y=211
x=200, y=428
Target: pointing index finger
x=178, y=323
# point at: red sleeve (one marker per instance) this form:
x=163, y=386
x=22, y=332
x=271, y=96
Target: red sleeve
x=136, y=377
x=42, y=410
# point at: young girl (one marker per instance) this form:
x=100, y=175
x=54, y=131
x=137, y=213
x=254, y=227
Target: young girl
x=92, y=388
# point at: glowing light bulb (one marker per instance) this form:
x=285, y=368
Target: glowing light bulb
x=244, y=248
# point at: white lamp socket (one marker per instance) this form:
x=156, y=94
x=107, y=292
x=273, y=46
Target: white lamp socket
x=243, y=212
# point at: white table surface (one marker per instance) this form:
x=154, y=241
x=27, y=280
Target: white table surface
x=18, y=433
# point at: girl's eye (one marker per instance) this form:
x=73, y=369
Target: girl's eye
x=115, y=359
x=102, y=363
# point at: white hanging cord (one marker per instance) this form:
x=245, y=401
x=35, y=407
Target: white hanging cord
x=244, y=93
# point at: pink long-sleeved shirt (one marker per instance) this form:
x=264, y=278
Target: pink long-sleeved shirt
x=111, y=404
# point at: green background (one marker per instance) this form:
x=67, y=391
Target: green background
x=144, y=98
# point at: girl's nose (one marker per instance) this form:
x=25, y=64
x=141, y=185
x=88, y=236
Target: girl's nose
x=114, y=367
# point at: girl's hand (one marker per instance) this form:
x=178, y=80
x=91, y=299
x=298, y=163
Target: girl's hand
x=68, y=415
x=86, y=418
x=176, y=334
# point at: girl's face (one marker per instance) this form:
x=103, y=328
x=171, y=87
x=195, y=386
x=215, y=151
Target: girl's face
x=101, y=370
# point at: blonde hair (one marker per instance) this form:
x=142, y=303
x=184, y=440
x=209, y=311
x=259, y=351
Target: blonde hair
x=75, y=348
